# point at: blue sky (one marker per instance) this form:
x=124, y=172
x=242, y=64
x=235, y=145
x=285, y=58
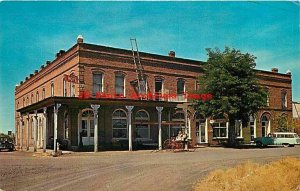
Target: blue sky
x=32, y=32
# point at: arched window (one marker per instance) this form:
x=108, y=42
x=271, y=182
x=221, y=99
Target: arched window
x=180, y=86
x=179, y=123
x=97, y=82
x=52, y=89
x=252, y=125
x=23, y=101
x=264, y=125
x=43, y=93
x=64, y=87
x=284, y=99
x=37, y=96
x=32, y=98
x=120, y=84
x=119, y=124
x=142, y=125
x=27, y=101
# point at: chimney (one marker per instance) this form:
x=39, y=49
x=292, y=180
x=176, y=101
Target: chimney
x=172, y=53
x=61, y=52
x=80, y=39
x=275, y=70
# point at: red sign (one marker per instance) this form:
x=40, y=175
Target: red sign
x=71, y=78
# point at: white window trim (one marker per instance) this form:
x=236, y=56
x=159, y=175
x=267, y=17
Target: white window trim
x=102, y=80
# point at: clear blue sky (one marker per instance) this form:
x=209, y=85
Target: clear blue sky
x=32, y=32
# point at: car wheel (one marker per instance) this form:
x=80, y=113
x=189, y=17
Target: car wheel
x=259, y=144
x=285, y=145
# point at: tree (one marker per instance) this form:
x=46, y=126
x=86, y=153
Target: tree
x=284, y=124
x=231, y=78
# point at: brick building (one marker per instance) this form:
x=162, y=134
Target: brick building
x=90, y=88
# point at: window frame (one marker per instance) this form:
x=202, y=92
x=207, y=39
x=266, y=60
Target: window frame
x=119, y=74
x=119, y=118
x=102, y=83
x=142, y=120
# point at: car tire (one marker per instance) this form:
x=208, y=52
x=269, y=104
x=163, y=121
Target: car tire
x=286, y=145
x=259, y=144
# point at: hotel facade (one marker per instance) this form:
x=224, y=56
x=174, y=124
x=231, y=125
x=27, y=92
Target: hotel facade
x=85, y=99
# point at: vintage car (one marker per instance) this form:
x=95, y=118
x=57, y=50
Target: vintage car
x=285, y=139
x=6, y=145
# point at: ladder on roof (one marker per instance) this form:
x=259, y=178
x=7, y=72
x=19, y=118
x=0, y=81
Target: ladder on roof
x=141, y=81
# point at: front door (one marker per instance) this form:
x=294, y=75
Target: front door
x=200, y=132
x=87, y=128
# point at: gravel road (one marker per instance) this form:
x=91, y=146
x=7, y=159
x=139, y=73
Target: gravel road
x=122, y=170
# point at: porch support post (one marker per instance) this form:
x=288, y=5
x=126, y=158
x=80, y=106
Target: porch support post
x=129, y=108
x=27, y=132
x=206, y=130
x=56, y=107
x=21, y=132
x=95, y=111
x=159, y=110
x=45, y=129
x=34, y=131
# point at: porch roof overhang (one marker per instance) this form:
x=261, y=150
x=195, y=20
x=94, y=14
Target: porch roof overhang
x=80, y=102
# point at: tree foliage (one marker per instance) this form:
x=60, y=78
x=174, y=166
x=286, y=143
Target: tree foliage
x=231, y=78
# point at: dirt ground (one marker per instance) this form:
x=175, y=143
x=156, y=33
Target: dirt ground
x=123, y=170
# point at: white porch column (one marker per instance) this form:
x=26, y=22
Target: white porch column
x=21, y=132
x=206, y=130
x=227, y=128
x=129, y=108
x=34, y=131
x=269, y=126
x=45, y=129
x=56, y=107
x=27, y=132
x=159, y=110
x=95, y=111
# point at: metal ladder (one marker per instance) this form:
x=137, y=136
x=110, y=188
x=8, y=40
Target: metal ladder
x=141, y=81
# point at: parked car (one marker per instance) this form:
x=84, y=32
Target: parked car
x=6, y=145
x=285, y=139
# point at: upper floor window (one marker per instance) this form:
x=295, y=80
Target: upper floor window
x=197, y=85
x=37, y=96
x=32, y=99
x=43, y=93
x=23, y=102
x=64, y=88
x=97, y=83
x=158, y=88
x=284, y=99
x=180, y=86
x=27, y=100
x=52, y=89
x=72, y=89
x=120, y=84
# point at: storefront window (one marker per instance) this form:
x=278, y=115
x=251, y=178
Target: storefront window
x=119, y=124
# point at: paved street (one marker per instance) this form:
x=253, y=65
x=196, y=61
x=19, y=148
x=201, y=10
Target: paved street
x=116, y=170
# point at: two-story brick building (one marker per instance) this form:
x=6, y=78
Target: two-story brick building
x=85, y=98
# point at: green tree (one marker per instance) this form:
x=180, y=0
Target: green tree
x=230, y=77
x=284, y=124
